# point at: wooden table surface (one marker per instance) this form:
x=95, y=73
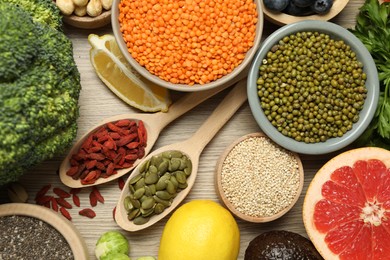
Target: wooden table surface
x=98, y=102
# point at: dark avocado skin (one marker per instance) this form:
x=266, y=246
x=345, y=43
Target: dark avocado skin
x=281, y=245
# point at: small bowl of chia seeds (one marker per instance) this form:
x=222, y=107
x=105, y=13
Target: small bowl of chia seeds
x=258, y=180
x=30, y=231
x=313, y=87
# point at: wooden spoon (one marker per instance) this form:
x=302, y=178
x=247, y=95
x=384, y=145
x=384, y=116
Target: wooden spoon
x=192, y=148
x=154, y=124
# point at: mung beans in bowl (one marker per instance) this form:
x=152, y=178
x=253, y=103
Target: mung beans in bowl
x=258, y=180
x=313, y=87
x=188, y=46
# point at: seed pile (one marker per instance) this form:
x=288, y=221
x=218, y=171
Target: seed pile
x=23, y=237
x=115, y=145
x=188, y=42
x=259, y=178
x=159, y=181
x=311, y=87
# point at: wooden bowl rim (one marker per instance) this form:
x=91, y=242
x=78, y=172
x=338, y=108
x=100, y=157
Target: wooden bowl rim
x=280, y=18
x=88, y=22
x=230, y=206
x=62, y=225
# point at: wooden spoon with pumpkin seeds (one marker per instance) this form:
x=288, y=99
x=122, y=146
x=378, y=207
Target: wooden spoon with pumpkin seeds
x=164, y=178
x=154, y=124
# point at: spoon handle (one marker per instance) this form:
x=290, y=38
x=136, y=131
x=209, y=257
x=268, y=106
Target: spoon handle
x=191, y=100
x=225, y=110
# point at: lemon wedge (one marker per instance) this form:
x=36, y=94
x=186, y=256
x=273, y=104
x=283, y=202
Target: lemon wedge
x=117, y=74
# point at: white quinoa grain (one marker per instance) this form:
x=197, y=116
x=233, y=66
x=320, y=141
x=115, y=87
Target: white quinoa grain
x=259, y=178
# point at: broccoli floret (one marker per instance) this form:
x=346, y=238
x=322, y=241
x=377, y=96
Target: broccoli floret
x=42, y=11
x=38, y=97
x=17, y=52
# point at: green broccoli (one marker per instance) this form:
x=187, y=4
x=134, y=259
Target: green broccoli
x=39, y=91
x=42, y=11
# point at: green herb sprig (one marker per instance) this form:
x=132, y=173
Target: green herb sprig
x=373, y=29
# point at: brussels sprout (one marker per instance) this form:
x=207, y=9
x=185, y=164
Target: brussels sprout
x=115, y=256
x=109, y=243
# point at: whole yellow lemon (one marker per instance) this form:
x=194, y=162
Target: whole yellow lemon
x=200, y=230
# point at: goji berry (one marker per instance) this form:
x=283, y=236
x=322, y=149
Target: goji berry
x=41, y=200
x=64, y=203
x=92, y=199
x=121, y=183
x=65, y=213
x=54, y=204
x=90, y=176
x=89, y=213
x=61, y=193
x=43, y=191
x=98, y=195
x=76, y=200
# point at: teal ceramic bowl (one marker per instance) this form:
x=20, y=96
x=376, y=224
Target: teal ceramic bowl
x=372, y=85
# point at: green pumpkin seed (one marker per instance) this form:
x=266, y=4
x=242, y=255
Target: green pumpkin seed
x=139, y=193
x=152, y=188
x=148, y=192
x=181, y=177
x=140, y=220
x=148, y=203
x=127, y=204
x=144, y=166
x=183, y=185
x=131, y=189
x=183, y=163
x=163, y=167
x=162, y=194
x=136, y=203
x=133, y=214
x=161, y=184
x=188, y=169
x=174, y=164
x=143, y=198
x=135, y=179
x=151, y=177
x=174, y=181
x=172, y=154
x=147, y=212
x=170, y=187
x=140, y=183
x=166, y=203
x=156, y=160
x=159, y=208
x=153, y=169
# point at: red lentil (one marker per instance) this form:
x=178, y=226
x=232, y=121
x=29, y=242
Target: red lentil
x=188, y=41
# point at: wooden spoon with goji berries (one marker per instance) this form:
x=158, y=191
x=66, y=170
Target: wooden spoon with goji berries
x=157, y=186
x=115, y=146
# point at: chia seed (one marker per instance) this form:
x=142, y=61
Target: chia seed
x=23, y=237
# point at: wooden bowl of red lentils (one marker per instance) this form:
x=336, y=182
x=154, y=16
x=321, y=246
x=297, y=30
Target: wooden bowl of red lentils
x=188, y=45
x=257, y=180
x=31, y=231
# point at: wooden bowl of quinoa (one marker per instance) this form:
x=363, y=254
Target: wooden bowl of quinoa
x=30, y=231
x=188, y=45
x=257, y=180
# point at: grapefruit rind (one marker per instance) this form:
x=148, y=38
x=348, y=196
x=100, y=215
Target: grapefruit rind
x=313, y=194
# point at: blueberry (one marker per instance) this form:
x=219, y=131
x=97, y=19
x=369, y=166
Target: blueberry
x=292, y=9
x=276, y=5
x=322, y=6
x=303, y=3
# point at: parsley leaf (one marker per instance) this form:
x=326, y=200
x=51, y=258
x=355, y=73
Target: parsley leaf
x=373, y=29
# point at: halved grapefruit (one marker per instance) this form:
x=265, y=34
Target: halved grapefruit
x=346, y=211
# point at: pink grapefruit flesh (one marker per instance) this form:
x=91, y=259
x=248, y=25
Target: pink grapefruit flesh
x=346, y=211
